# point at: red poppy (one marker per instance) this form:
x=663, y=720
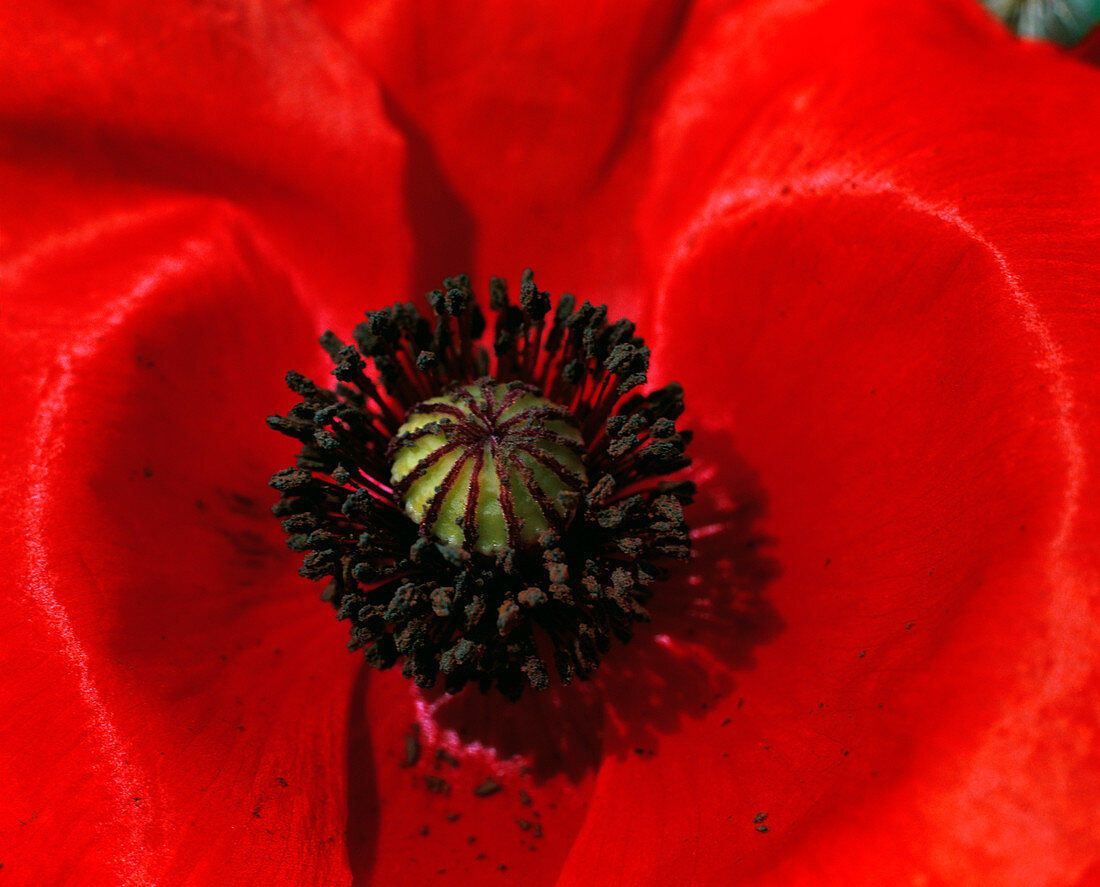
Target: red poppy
x=866, y=240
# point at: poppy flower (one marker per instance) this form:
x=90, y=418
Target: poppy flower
x=865, y=241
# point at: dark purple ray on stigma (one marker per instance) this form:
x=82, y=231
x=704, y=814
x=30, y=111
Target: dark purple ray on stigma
x=570, y=479
x=536, y=412
x=444, y=409
x=507, y=504
x=424, y=465
x=486, y=411
x=431, y=513
x=553, y=517
x=509, y=398
x=473, y=496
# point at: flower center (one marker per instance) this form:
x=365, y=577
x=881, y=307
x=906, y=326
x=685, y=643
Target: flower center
x=486, y=496
x=488, y=466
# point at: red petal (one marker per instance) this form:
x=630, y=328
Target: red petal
x=882, y=257
x=916, y=476
x=256, y=106
x=959, y=143
x=518, y=117
x=173, y=699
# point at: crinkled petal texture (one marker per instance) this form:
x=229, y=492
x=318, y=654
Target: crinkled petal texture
x=190, y=193
x=867, y=242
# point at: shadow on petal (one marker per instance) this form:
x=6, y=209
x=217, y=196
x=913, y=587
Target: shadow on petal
x=707, y=618
x=362, y=823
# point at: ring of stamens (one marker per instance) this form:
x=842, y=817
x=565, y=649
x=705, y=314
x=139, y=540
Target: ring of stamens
x=489, y=503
